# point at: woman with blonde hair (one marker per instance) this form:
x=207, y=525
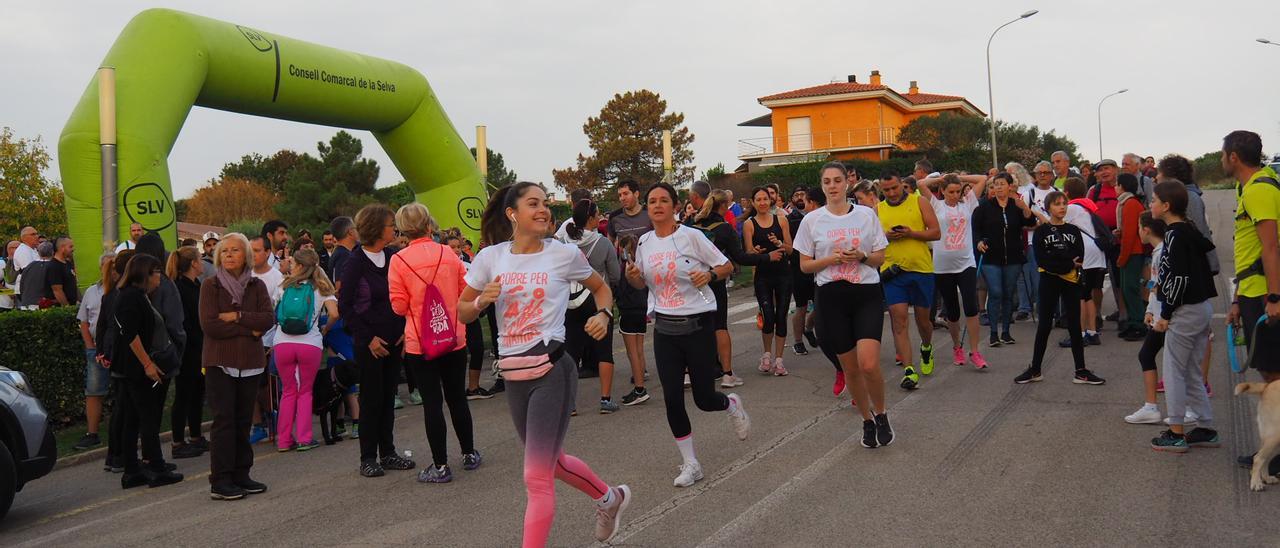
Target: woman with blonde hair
x=299, y=345
x=435, y=342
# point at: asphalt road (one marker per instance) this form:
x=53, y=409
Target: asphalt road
x=978, y=461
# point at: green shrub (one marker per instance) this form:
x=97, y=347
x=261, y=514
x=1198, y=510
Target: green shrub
x=46, y=346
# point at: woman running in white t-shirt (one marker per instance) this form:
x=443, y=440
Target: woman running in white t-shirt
x=527, y=276
x=843, y=246
x=676, y=263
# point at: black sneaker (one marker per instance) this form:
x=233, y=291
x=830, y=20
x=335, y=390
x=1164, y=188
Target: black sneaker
x=158, y=479
x=396, y=462
x=226, y=491
x=1066, y=342
x=1093, y=339
x=186, y=451
x=800, y=350
x=479, y=394
x=498, y=386
x=110, y=465
x=371, y=469
x=1007, y=339
x=1084, y=376
x=1169, y=442
x=636, y=396
x=1203, y=437
x=1113, y=317
x=884, y=432
x=994, y=341
x=1022, y=316
x=252, y=487
x=133, y=479
x=869, y=434
x=812, y=338
x=1030, y=375
x=86, y=441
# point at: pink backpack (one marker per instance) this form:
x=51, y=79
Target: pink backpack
x=437, y=334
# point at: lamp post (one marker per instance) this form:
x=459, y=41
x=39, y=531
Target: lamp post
x=1268, y=42
x=991, y=102
x=1110, y=95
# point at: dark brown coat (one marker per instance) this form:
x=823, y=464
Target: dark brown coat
x=234, y=345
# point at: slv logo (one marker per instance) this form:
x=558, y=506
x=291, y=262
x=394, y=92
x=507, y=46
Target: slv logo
x=259, y=42
x=149, y=205
x=470, y=209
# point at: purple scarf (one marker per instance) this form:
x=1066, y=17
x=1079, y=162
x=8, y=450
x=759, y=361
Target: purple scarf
x=235, y=286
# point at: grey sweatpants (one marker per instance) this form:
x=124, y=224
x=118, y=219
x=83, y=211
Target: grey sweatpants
x=1184, y=347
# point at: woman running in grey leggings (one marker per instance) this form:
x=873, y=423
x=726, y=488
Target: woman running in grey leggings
x=527, y=277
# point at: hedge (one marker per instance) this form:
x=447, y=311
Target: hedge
x=46, y=346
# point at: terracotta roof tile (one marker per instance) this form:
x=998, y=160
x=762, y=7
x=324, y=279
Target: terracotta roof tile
x=930, y=98
x=835, y=88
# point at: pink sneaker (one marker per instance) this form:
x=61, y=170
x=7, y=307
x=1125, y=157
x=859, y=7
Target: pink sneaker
x=1160, y=386
x=778, y=369
x=766, y=363
x=978, y=361
x=837, y=387
x=957, y=354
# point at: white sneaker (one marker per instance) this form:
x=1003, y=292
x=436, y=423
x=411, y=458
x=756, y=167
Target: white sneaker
x=766, y=363
x=778, y=369
x=738, y=418
x=1190, y=418
x=610, y=516
x=1144, y=415
x=730, y=381
x=690, y=472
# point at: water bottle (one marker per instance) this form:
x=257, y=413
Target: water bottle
x=1239, y=337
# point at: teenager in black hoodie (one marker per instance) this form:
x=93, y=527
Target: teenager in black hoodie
x=1059, y=249
x=1186, y=285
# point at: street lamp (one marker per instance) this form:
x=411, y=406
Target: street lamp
x=1100, y=119
x=991, y=102
x=1268, y=42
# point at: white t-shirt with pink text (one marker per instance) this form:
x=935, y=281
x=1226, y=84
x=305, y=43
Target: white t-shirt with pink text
x=953, y=252
x=535, y=291
x=667, y=263
x=822, y=232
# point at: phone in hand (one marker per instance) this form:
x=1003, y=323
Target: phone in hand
x=626, y=256
x=899, y=228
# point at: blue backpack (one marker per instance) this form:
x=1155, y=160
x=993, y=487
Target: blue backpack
x=295, y=311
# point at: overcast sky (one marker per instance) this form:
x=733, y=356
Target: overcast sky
x=534, y=71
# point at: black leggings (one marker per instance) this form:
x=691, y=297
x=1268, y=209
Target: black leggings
x=1054, y=290
x=141, y=422
x=958, y=287
x=443, y=381
x=696, y=354
x=773, y=292
x=188, y=398
x=378, y=380
x=1150, y=347
x=475, y=346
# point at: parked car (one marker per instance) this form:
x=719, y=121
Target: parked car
x=1275, y=162
x=27, y=448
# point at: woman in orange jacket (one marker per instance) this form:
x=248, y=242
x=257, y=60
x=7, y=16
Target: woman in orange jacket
x=1129, y=264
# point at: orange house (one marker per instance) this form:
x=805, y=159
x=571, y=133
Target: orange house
x=841, y=121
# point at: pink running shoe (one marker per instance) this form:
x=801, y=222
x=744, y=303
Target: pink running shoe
x=766, y=363
x=1160, y=386
x=837, y=388
x=957, y=354
x=778, y=369
x=978, y=361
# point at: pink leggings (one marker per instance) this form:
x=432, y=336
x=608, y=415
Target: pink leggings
x=540, y=409
x=298, y=365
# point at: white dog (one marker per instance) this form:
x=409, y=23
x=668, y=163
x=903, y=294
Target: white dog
x=1268, y=431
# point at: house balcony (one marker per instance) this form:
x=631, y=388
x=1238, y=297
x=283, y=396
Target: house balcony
x=817, y=143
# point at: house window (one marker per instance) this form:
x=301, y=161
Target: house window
x=799, y=135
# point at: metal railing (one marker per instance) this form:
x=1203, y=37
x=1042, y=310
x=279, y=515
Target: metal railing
x=826, y=140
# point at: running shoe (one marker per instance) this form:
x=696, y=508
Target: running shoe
x=897, y=359
x=1112, y=317
x=1030, y=375
x=1169, y=442
x=800, y=350
x=607, y=406
x=738, y=418
x=778, y=369
x=1144, y=415
x=635, y=397
x=1007, y=339
x=88, y=440
x=812, y=338
x=286, y=448
x=957, y=356
x=435, y=474
x=884, y=432
x=1084, y=376
x=1093, y=339
x=690, y=472
x=869, y=434
x=1022, y=316
x=1203, y=437
x=498, y=386
x=977, y=359
x=257, y=434
x=355, y=430
x=926, y=360
x=609, y=516
x=730, y=381
x=397, y=462
x=837, y=387
x=415, y=397
x=910, y=379
x=371, y=469
x=1160, y=386
x=478, y=393
x=983, y=318
x=308, y=445
x=472, y=460
x=766, y=363
x=226, y=491
x=994, y=341
x=1066, y=342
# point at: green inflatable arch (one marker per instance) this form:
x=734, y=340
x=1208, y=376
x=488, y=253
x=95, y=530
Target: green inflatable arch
x=168, y=61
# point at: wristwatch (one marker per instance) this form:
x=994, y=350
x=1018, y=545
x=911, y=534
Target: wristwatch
x=1273, y=298
x=606, y=312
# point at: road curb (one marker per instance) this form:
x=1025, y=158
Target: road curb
x=100, y=453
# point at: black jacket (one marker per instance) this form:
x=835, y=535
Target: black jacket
x=1057, y=247
x=136, y=318
x=1185, y=276
x=189, y=291
x=364, y=302
x=1001, y=229
x=727, y=240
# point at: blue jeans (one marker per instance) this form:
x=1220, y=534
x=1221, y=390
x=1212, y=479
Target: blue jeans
x=1028, y=284
x=1002, y=281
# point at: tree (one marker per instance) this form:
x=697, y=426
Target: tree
x=271, y=172
x=957, y=142
x=1208, y=168
x=225, y=201
x=498, y=176
x=394, y=196
x=626, y=143
x=27, y=198
x=714, y=173
x=337, y=183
